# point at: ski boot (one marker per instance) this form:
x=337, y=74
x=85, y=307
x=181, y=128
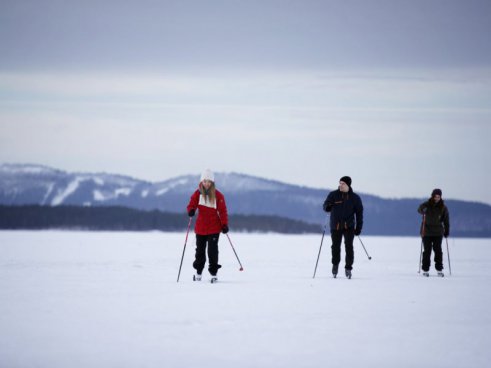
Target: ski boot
x=213, y=279
x=426, y=274
x=440, y=274
x=197, y=277
x=334, y=270
x=348, y=273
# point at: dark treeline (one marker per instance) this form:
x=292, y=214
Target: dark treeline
x=128, y=219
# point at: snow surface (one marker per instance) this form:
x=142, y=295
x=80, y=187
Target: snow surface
x=101, y=299
x=49, y=189
x=26, y=169
x=171, y=184
x=245, y=183
x=69, y=190
x=100, y=196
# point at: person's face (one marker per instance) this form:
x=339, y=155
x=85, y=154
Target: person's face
x=343, y=187
x=437, y=198
x=207, y=184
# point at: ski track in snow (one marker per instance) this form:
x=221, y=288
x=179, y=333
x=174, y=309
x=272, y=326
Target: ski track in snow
x=102, y=299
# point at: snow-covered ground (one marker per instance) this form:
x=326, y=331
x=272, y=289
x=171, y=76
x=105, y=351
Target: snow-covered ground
x=98, y=299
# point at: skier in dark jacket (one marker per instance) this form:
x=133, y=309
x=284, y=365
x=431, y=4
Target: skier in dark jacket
x=436, y=223
x=346, y=211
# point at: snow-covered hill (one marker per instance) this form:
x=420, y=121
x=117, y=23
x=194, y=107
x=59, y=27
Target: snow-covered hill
x=245, y=194
x=35, y=184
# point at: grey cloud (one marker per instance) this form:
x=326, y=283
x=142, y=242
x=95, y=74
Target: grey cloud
x=228, y=33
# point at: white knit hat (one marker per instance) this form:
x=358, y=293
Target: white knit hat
x=208, y=175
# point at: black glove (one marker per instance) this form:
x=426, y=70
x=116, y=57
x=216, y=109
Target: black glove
x=224, y=229
x=357, y=231
x=446, y=234
x=191, y=212
x=328, y=206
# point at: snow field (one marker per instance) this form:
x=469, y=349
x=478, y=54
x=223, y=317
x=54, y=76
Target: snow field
x=103, y=299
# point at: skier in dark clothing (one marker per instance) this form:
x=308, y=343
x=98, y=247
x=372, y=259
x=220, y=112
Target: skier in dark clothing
x=436, y=223
x=346, y=211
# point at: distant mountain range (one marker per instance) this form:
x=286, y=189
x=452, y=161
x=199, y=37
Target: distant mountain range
x=22, y=184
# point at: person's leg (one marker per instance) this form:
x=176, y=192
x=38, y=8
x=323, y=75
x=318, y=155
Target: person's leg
x=336, y=237
x=200, y=255
x=349, y=235
x=213, y=266
x=437, y=248
x=427, y=245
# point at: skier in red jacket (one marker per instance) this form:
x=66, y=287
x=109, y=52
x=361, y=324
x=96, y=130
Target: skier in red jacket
x=212, y=219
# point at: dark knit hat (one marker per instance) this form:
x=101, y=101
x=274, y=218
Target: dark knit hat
x=346, y=179
x=436, y=192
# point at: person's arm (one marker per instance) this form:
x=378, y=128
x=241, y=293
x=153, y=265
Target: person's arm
x=359, y=216
x=193, y=204
x=222, y=213
x=422, y=208
x=328, y=203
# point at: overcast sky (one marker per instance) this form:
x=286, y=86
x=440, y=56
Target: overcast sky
x=396, y=94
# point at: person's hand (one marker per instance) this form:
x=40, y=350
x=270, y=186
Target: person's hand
x=446, y=234
x=191, y=212
x=328, y=206
x=224, y=229
x=357, y=231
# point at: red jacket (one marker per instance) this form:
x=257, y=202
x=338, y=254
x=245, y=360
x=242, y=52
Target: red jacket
x=210, y=220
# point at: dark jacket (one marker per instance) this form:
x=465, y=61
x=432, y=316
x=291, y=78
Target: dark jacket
x=346, y=210
x=436, y=218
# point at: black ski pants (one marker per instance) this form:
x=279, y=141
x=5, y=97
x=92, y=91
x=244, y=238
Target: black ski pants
x=337, y=237
x=200, y=258
x=432, y=243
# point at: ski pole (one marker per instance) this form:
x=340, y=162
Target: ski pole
x=318, y=256
x=230, y=241
x=184, y=249
x=448, y=254
x=364, y=247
